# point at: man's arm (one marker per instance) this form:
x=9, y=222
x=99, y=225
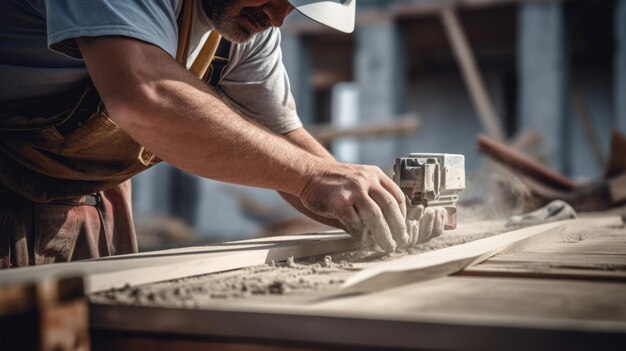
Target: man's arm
x=303, y=139
x=177, y=117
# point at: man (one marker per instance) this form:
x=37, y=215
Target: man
x=91, y=95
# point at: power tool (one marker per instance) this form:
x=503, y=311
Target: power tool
x=432, y=180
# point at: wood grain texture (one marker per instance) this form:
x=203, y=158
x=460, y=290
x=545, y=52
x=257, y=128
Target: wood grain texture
x=481, y=313
x=453, y=259
x=452, y=313
x=585, y=251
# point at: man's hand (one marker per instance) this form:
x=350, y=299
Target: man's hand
x=369, y=205
x=424, y=224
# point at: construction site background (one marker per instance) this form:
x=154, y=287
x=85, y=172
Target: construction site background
x=554, y=74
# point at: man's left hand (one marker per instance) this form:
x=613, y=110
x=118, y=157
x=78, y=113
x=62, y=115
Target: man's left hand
x=424, y=224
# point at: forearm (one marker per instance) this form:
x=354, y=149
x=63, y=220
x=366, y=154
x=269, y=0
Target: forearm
x=176, y=116
x=304, y=140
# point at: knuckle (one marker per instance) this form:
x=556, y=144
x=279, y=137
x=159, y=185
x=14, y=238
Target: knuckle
x=340, y=198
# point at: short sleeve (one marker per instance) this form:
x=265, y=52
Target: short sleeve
x=151, y=21
x=257, y=82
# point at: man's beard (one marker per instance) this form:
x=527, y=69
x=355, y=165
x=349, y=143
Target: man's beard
x=232, y=25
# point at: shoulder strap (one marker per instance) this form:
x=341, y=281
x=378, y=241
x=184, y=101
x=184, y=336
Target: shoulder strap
x=214, y=54
x=184, y=30
x=220, y=60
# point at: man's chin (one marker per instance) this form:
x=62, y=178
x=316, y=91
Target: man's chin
x=238, y=34
x=238, y=38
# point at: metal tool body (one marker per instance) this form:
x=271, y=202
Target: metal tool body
x=432, y=180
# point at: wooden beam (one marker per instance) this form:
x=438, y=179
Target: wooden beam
x=398, y=125
x=523, y=164
x=471, y=74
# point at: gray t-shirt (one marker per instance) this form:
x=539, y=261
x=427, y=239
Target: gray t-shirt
x=39, y=57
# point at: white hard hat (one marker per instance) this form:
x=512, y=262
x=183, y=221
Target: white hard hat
x=338, y=14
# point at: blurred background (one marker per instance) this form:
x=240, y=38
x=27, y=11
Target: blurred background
x=423, y=76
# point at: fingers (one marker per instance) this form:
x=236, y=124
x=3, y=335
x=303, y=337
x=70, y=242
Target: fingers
x=392, y=215
x=348, y=216
x=375, y=224
x=413, y=227
x=439, y=222
x=395, y=191
x=413, y=216
x=415, y=213
x=426, y=225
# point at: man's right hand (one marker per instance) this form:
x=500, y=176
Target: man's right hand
x=370, y=206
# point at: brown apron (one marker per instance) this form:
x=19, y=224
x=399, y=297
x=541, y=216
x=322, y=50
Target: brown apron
x=65, y=189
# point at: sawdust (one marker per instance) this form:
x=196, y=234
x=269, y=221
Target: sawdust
x=289, y=278
x=493, y=192
x=435, y=244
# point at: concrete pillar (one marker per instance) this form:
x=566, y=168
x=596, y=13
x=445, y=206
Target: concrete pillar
x=184, y=195
x=165, y=191
x=297, y=60
x=542, y=74
x=620, y=66
x=219, y=214
x=345, y=114
x=151, y=195
x=380, y=76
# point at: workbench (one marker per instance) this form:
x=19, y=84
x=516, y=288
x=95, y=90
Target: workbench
x=562, y=289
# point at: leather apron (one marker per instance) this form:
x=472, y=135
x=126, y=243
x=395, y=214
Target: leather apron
x=65, y=189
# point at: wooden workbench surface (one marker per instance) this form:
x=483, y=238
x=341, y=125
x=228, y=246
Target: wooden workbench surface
x=564, y=289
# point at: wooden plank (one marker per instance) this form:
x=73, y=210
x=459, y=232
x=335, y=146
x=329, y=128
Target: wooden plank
x=450, y=260
x=481, y=313
x=135, y=269
x=581, y=252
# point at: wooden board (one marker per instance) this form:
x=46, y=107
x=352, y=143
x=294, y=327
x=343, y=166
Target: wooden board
x=149, y=267
x=453, y=313
x=480, y=313
x=453, y=259
x=584, y=252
